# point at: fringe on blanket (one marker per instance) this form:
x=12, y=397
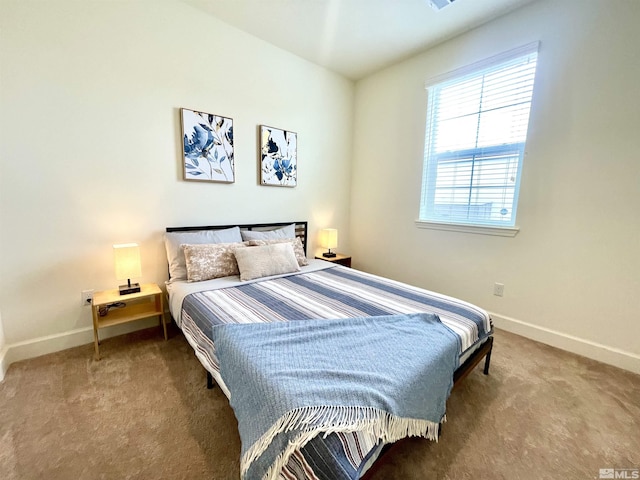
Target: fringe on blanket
x=315, y=420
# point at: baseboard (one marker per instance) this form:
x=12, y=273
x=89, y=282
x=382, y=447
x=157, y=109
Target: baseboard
x=61, y=341
x=596, y=351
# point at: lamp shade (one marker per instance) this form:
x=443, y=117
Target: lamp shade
x=329, y=238
x=127, y=261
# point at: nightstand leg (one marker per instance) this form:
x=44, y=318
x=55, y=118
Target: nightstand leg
x=164, y=326
x=97, y=348
x=160, y=308
x=96, y=342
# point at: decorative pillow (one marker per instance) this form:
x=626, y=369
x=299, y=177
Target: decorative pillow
x=298, y=249
x=285, y=232
x=207, y=261
x=175, y=254
x=256, y=262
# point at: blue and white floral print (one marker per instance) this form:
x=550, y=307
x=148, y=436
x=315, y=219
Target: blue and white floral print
x=279, y=164
x=208, y=147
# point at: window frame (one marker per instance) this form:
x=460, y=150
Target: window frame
x=427, y=195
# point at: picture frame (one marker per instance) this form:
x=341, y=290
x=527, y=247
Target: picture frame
x=207, y=147
x=278, y=157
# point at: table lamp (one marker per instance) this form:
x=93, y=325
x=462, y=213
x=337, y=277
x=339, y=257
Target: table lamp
x=127, y=262
x=329, y=240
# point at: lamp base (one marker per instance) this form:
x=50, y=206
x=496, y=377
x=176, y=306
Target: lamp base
x=329, y=254
x=127, y=289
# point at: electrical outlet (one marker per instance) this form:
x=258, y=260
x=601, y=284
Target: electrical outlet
x=86, y=297
x=498, y=289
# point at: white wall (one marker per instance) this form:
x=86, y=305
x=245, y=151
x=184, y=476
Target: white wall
x=572, y=273
x=90, y=156
x=90, y=148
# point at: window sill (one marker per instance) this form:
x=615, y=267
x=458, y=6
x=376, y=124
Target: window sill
x=477, y=229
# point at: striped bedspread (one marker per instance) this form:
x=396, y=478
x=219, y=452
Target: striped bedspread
x=331, y=293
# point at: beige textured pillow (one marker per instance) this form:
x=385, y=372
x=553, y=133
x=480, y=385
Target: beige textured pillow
x=175, y=240
x=298, y=249
x=266, y=260
x=210, y=260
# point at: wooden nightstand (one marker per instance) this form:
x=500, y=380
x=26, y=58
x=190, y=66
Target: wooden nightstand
x=339, y=259
x=148, y=302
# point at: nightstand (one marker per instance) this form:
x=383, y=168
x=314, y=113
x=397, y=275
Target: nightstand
x=148, y=302
x=340, y=259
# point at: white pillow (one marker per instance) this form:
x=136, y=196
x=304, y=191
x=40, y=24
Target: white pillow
x=285, y=232
x=175, y=255
x=257, y=262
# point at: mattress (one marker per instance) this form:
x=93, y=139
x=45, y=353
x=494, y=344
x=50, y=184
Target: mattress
x=320, y=290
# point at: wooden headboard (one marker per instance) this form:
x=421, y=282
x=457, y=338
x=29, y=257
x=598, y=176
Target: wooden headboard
x=301, y=229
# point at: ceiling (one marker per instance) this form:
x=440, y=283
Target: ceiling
x=354, y=37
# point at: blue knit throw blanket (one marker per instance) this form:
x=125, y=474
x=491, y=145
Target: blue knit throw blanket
x=290, y=381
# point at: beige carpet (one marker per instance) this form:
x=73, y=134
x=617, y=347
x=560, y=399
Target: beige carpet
x=143, y=412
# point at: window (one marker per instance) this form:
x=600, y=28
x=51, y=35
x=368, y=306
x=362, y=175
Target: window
x=477, y=120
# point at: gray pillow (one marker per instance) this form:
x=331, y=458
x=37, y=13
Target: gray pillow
x=175, y=254
x=267, y=260
x=285, y=232
x=298, y=249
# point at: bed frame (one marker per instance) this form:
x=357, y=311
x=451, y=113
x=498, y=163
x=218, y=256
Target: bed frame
x=301, y=229
x=484, y=351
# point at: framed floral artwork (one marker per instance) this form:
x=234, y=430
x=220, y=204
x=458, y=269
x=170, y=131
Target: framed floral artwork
x=207, y=147
x=278, y=157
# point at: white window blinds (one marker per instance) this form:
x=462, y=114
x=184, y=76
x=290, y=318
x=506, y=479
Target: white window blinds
x=477, y=123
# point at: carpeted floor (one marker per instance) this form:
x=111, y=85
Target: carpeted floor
x=143, y=412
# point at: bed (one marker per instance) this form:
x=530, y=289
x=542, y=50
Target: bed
x=302, y=300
